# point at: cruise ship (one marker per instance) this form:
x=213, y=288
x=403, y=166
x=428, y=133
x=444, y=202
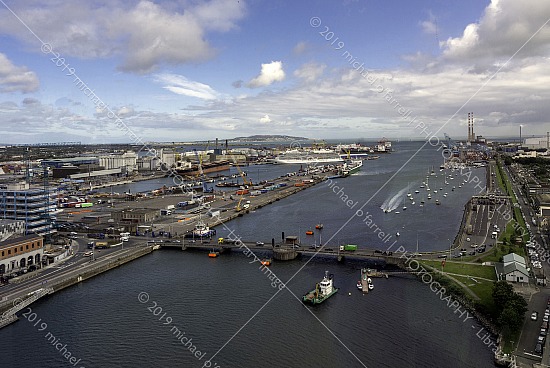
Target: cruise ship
x=318, y=156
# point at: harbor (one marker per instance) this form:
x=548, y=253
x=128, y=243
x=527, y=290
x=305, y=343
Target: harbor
x=308, y=238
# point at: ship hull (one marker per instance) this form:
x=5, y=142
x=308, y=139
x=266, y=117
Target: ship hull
x=311, y=299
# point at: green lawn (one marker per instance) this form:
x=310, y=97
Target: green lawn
x=473, y=270
x=483, y=289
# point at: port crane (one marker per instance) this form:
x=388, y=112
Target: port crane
x=205, y=188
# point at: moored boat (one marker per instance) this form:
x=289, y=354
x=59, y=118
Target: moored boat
x=323, y=290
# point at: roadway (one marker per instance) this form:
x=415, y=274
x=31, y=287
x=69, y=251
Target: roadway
x=21, y=286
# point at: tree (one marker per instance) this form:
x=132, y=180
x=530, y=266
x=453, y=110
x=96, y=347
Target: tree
x=502, y=293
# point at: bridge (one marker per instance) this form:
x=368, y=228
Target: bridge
x=10, y=316
x=285, y=252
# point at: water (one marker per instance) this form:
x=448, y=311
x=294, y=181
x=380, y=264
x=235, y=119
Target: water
x=435, y=225
x=402, y=323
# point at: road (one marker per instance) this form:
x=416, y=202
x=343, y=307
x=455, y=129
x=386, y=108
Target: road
x=41, y=278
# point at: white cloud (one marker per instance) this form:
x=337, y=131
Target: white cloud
x=310, y=72
x=144, y=34
x=429, y=26
x=270, y=73
x=16, y=78
x=182, y=86
x=503, y=28
x=265, y=119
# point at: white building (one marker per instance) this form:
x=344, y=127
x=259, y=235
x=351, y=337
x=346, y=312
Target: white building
x=536, y=143
x=513, y=269
x=167, y=157
x=126, y=161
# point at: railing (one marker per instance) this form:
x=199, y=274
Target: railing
x=25, y=302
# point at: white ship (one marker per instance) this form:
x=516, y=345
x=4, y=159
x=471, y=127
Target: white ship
x=320, y=156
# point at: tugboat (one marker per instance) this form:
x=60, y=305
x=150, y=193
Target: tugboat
x=309, y=232
x=213, y=254
x=323, y=290
x=266, y=262
x=201, y=231
x=319, y=226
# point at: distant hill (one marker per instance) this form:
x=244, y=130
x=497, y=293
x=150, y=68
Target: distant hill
x=267, y=138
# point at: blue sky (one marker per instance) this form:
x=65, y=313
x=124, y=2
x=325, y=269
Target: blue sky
x=194, y=70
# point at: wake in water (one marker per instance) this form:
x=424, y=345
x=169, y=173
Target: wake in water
x=392, y=202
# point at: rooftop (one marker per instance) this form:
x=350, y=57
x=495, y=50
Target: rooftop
x=19, y=239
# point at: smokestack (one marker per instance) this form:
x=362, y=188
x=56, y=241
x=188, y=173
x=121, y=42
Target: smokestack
x=473, y=134
x=469, y=128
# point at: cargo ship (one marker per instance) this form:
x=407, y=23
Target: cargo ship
x=351, y=167
x=323, y=290
x=207, y=167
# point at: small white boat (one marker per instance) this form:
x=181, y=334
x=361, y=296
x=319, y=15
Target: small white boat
x=371, y=286
x=397, y=233
x=359, y=285
x=417, y=191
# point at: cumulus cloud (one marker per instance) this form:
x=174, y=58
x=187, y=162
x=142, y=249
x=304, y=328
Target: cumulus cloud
x=16, y=78
x=143, y=33
x=180, y=85
x=502, y=30
x=310, y=72
x=265, y=119
x=270, y=73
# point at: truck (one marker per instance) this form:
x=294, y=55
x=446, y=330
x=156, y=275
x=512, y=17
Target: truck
x=348, y=247
x=170, y=207
x=165, y=212
x=494, y=235
x=101, y=245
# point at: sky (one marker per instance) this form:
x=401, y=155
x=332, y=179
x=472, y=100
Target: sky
x=187, y=70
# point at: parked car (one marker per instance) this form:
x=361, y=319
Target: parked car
x=538, y=348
